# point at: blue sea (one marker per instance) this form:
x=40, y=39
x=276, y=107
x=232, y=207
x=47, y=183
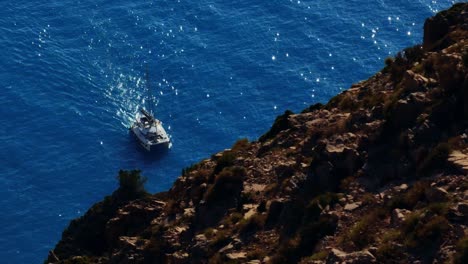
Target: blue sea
x=72, y=76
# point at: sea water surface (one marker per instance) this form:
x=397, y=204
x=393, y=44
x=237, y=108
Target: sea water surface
x=72, y=77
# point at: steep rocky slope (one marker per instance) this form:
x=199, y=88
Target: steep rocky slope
x=376, y=175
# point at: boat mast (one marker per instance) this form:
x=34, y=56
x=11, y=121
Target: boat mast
x=149, y=103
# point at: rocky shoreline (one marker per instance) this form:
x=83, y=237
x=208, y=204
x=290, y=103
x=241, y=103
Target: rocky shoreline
x=378, y=174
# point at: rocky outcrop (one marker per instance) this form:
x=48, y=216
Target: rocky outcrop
x=376, y=175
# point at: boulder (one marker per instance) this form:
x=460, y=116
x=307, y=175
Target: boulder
x=406, y=110
x=352, y=206
x=178, y=257
x=414, y=82
x=338, y=256
x=285, y=170
x=398, y=216
x=130, y=220
x=236, y=256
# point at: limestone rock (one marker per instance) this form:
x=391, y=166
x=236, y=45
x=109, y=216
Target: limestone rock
x=179, y=257
x=352, y=206
x=236, y=255
x=338, y=256
x=398, y=216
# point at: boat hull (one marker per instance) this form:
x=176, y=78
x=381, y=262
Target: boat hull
x=145, y=143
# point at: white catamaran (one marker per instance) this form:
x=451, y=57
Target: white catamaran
x=148, y=130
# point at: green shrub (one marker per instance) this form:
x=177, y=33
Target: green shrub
x=389, y=253
x=225, y=161
x=362, y=233
x=388, y=61
x=155, y=249
x=252, y=224
x=313, y=108
x=348, y=104
x=131, y=184
x=411, y=198
x=187, y=170
x=398, y=68
x=461, y=256
x=209, y=232
x=420, y=234
x=414, y=54
x=240, y=145
x=232, y=219
x=438, y=208
x=306, y=239
x=314, y=208
x=228, y=184
x=437, y=159
x=321, y=255
x=281, y=123
x=221, y=238
x=465, y=59
x=287, y=252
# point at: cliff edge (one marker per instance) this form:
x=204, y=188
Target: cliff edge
x=378, y=174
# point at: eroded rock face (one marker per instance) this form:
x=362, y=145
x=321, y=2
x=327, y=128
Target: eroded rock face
x=438, y=27
x=366, y=178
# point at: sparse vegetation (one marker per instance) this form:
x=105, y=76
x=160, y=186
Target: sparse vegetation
x=313, y=107
x=232, y=219
x=436, y=159
x=305, y=240
x=131, y=184
x=362, y=233
x=226, y=160
x=419, y=233
x=221, y=238
x=378, y=147
x=465, y=59
x=409, y=200
x=240, y=145
x=281, y=123
x=461, y=255
x=252, y=224
x=187, y=170
x=321, y=255
x=228, y=184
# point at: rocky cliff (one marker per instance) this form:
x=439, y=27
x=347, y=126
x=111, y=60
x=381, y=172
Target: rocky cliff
x=378, y=174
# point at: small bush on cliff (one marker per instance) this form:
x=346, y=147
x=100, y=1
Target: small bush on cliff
x=465, y=59
x=314, y=208
x=240, y=145
x=292, y=250
x=79, y=260
x=281, y=123
x=227, y=185
x=131, y=184
x=420, y=233
x=389, y=249
x=363, y=233
x=313, y=108
x=389, y=62
x=403, y=61
x=461, y=256
x=437, y=159
x=226, y=160
x=252, y=224
x=187, y=170
x=409, y=199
